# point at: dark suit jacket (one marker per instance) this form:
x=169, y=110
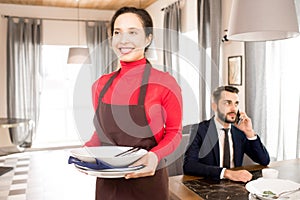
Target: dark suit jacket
x=202, y=157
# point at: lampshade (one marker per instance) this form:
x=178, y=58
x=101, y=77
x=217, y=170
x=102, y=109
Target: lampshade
x=262, y=20
x=79, y=55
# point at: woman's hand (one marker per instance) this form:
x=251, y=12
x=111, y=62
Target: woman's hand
x=150, y=161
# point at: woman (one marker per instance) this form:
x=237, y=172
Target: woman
x=136, y=106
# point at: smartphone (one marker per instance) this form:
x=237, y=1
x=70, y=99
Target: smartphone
x=238, y=119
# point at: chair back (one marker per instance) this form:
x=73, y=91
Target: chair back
x=174, y=161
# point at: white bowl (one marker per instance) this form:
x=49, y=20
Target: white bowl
x=107, y=154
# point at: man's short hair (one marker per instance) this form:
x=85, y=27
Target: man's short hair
x=217, y=93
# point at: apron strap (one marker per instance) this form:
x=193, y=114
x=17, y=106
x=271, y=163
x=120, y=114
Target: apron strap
x=106, y=86
x=144, y=86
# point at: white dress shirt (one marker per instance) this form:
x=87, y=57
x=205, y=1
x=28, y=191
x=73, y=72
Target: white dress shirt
x=221, y=135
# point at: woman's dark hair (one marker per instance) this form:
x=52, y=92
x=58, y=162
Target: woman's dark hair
x=141, y=13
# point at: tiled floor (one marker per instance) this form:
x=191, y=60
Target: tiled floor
x=44, y=175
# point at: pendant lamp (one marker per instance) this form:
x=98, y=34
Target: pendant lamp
x=78, y=55
x=262, y=20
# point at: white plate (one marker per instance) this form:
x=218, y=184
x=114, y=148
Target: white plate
x=109, y=173
x=107, y=154
x=275, y=185
x=119, y=169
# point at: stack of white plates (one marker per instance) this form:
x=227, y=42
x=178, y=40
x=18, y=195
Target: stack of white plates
x=108, y=154
x=258, y=187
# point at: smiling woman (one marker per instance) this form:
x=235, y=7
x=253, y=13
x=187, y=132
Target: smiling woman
x=137, y=106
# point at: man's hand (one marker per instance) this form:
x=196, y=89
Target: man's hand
x=238, y=175
x=150, y=161
x=246, y=125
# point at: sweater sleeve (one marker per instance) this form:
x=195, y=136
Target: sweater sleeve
x=172, y=114
x=94, y=141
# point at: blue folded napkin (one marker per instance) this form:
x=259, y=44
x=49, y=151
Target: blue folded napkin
x=99, y=165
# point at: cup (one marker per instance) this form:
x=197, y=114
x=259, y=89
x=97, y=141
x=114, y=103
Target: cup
x=270, y=173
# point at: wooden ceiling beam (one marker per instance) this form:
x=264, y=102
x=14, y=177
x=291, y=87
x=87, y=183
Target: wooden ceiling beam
x=88, y=4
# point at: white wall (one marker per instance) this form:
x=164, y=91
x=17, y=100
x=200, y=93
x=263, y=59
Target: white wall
x=188, y=22
x=189, y=13
x=232, y=48
x=157, y=16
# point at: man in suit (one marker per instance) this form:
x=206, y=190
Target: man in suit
x=206, y=156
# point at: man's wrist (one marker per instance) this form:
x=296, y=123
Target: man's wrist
x=252, y=138
x=222, y=173
x=251, y=134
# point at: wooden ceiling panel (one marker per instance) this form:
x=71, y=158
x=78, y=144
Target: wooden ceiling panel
x=88, y=4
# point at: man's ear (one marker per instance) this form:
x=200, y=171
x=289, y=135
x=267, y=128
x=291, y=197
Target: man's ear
x=214, y=106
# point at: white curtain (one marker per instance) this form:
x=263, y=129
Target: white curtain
x=298, y=134
x=283, y=83
x=209, y=39
x=273, y=86
x=255, y=89
x=172, y=18
x=23, y=72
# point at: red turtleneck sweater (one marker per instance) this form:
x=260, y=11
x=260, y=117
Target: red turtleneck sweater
x=163, y=102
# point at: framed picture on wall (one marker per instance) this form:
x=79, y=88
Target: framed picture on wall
x=235, y=70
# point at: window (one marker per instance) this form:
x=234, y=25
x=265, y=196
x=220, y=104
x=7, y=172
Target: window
x=56, y=124
x=283, y=96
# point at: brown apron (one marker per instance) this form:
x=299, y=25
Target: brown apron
x=127, y=125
